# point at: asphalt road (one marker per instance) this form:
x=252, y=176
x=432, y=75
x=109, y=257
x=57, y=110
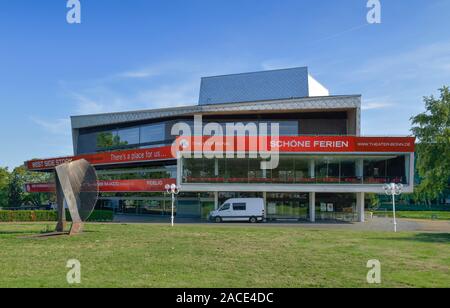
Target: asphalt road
x=375, y=224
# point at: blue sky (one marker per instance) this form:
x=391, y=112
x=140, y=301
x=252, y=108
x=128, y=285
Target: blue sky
x=139, y=54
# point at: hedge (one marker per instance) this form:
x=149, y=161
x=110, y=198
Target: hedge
x=32, y=216
x=414, y=208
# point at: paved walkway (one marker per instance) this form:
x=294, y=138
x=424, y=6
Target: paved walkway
x=375, y=224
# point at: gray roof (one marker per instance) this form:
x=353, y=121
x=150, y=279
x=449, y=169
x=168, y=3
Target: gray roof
x=292, y=104
x=257, y=86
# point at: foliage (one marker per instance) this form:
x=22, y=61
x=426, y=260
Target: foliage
x=432, y=128
x=4, y=181
x=12, y=192
x=41, y=216
x=15, y=191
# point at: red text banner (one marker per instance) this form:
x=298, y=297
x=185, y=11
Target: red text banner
x=283, y=144
x=107, y=158
x=151, y=185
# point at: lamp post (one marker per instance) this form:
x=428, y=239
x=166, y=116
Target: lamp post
x=173, y=190
x=393, y=190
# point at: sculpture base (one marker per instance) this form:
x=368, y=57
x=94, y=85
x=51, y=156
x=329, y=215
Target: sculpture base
x=77, y=228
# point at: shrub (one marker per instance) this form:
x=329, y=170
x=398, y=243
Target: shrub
x=32, y=216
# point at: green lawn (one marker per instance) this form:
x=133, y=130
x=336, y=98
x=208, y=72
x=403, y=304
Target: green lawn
x=442, y=215
x=222, y=256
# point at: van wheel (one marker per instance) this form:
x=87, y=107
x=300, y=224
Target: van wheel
x=253, y=220
x=218, y=220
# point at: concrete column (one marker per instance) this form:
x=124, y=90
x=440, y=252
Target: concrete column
x=360, y=168
x=360, y=205
x=312, y=169
x=216, y=167
x=312, y=207
x=216, y=200
x=407, y=164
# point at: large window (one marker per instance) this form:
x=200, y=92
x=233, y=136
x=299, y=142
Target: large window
x=299, y=169
x=336, y=207
x=118, y=138
x=287, y=206
x=128, y=136
x=384, y=169
x=328, y=170
x=153, y=133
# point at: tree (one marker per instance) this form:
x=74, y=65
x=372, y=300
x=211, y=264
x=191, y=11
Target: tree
x=432, y=128
x=4, y=181
x=24, y=177
x=15, y=191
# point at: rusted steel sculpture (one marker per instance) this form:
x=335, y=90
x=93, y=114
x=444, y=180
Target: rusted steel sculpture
x=76, y=187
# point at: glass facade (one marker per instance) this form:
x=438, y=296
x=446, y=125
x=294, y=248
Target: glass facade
x=162, y=172
x=93, y=140
x=336, y=207
x=287, y=206
x=299, y=169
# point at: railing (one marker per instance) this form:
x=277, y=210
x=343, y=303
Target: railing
x=299, y=181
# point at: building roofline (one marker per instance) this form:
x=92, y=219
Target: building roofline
x=306, y=103
x=208, y=105
x=257, y=72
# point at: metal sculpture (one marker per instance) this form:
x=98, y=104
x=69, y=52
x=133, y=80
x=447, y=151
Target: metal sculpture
x=76, y=187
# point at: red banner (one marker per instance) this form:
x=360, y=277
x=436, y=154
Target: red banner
x=151, y=185
x=107, y=158
x=319, y=144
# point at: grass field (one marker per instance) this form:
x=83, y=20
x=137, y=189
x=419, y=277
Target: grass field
x=442, y=215
x=114, y=255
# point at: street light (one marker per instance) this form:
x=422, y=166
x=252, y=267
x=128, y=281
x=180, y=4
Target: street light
x=393, y=190
x=173, y=190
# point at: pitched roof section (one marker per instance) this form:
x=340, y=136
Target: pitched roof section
x=260, y=86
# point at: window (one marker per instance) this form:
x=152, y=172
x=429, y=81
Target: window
x=117, y=138
x=239, y=207
x=105, y=140
x=153, y=133
x=327, y=170
x=225, y=207
x=128, y=136
x=379, y=170
x=289, y=128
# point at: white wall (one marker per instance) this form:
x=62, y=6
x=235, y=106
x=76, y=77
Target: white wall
x=316, y=89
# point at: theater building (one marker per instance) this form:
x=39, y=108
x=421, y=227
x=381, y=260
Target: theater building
x=325, y=167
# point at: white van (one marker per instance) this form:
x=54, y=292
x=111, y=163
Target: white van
x=245, y=209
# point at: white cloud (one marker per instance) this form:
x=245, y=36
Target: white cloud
x=372, y=106
x=426, y=60
x=181, y=94
x=377, y=103
x=55, y=126
x=144, y=73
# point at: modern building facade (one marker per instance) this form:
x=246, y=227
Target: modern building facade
x=325, y=166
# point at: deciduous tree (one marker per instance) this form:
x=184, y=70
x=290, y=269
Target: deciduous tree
x=432, y=128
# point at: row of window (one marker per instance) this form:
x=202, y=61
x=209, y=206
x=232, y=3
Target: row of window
x=159, y=133
x=297, y=169
x=131, y=136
